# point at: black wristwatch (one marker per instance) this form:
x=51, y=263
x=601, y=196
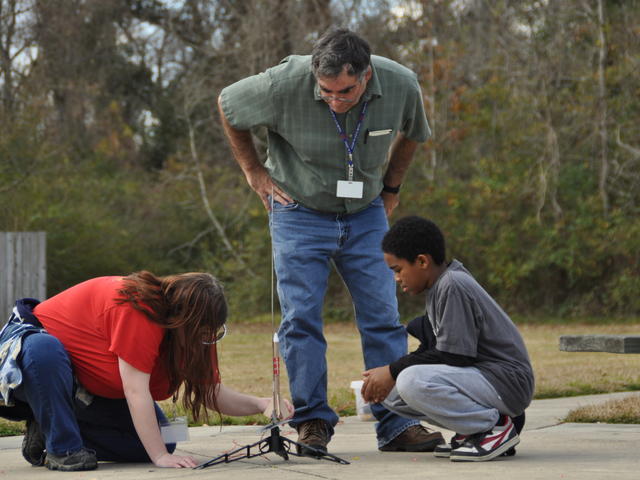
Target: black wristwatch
x=388, y=189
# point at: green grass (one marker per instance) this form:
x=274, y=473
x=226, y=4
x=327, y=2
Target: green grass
x=577, y=389
x=245, y=363
x=623, y=411
x=8, y=428
x=581, y=321
x=245, y=359
x=341, y=399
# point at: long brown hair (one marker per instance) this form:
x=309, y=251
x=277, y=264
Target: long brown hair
x=191, y=306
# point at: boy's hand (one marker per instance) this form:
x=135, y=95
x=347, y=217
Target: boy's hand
x=378, y=382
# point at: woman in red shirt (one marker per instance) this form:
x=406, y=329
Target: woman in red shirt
x=127, y=341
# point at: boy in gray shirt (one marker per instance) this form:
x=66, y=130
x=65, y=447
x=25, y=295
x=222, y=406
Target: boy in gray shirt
x=471, y=373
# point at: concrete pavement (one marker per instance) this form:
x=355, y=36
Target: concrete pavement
x=548, y=450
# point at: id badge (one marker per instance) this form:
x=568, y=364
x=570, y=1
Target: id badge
x=347, y=189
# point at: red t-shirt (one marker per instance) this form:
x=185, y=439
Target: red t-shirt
x=95, y=331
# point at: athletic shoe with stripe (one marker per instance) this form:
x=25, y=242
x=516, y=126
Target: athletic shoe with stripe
x=444, y=450
x=488, y=445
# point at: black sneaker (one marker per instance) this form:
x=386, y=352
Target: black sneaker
x=444, y=449
x=83, y=459
x=33, y=445
x=488, y=445
x=416, y=438
x=314, y=433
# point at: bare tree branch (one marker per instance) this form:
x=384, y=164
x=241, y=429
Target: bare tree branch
x=632, y=150
x=602, y=110
x=205, y=199
x=190, y=244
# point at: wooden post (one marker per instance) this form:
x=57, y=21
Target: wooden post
x=23, y=268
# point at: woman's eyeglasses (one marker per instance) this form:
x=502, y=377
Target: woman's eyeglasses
x=208, y=339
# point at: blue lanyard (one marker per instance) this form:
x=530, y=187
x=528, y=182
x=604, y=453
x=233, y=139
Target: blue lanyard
x=343, y=135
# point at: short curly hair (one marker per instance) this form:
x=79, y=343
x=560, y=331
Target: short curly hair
x=412, y=236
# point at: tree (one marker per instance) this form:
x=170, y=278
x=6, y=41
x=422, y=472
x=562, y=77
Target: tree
x=110, y=139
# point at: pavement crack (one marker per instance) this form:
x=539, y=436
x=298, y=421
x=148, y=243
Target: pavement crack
x=308, y=474
x=545, y=427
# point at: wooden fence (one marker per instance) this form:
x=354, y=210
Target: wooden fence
x=23, y=268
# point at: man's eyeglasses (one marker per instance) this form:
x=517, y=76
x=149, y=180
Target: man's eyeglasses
x=333, y=98
x=208, y=339
x=347, y=91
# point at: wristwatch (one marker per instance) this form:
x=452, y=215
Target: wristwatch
x=388, y=189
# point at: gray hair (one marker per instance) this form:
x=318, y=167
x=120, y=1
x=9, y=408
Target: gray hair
x=338, y=48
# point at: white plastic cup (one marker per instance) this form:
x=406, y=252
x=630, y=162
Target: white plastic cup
x=363, y=408
x=175, y=430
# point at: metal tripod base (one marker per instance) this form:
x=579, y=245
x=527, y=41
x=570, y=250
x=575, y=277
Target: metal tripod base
x=275, y=443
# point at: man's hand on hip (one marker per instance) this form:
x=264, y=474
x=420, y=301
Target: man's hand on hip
x=260, y=181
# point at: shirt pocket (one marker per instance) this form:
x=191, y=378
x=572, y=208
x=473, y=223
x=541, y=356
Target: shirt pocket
x=375, y=145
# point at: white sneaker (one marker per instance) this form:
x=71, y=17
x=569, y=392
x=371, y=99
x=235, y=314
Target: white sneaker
x=487, y=445
x=444, y=449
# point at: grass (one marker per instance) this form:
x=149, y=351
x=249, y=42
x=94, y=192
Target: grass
x=245, y=365
x=8, y=428
x=562, y=374
x=626, y=410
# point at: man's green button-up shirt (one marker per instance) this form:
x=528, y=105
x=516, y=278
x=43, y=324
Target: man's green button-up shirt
x=306, y=156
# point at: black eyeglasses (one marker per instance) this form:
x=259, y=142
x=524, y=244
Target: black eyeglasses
x=208, y=339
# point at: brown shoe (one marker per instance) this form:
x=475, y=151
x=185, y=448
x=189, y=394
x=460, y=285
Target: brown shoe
x=314, y=433
x=416, y=438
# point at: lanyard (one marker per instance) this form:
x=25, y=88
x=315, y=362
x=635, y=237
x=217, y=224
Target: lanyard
x=343, y=135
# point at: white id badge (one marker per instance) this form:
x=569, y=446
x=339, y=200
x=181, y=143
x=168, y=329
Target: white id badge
x=175, y=431
x=348, y=189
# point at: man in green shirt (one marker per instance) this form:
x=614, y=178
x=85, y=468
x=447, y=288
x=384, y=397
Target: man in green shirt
x=342, y=127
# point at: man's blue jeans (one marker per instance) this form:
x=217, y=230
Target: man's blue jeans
x=48, y=387
x=305, y=243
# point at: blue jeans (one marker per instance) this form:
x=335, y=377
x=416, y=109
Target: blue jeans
x=48, y=387
x=305, y=243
